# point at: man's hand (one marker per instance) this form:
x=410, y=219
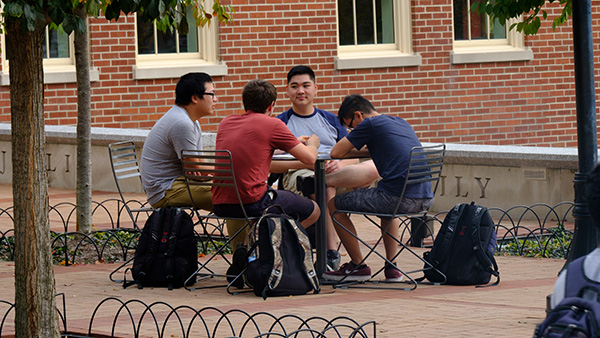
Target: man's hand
x=332, y=166
x=303, y=139
x=314, y=141
x=201, y=176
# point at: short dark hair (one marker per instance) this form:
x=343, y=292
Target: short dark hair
x=352, y=103
x=301, y=70
x=258, y=94
x=189, y=85
x=592, y=194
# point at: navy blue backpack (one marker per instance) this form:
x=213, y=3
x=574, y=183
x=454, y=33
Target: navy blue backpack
x=463, y=249
x=578, y=314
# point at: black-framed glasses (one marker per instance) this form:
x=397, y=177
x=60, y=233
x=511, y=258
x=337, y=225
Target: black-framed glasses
x=211, y=94
x=349, y=125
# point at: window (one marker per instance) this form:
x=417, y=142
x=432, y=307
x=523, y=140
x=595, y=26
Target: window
x=374, y=33
x=58, y=43
x=170, y=54
x=366, y=22
x=59, y=59
x=477, y=39
x=475, y=26
x=152, y=41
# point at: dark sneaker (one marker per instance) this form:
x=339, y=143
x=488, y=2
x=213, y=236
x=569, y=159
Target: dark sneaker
x=392, y=274
x=305, y=185
x=333, y=260
x=351, y=272
x=238, y=264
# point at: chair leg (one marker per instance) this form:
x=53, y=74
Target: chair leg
x=129, y=261
x=204, y=272
x=238, y=277
x=411, y=282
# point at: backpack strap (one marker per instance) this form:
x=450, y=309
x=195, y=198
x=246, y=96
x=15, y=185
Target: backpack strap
x=304, y=246
x=155, y=232
x=487, y=262
x=577, y=284
x=445, y=244
x=275, y=239
x=175, y=218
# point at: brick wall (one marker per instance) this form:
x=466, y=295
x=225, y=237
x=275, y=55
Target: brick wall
x=520, y=103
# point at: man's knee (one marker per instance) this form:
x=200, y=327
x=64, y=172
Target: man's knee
x=313, y=217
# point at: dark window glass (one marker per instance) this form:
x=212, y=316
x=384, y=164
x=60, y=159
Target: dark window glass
x=461, y=11
x=346, y=22
x=365, y=27
x=385, y=21
x=166, y=41
x=145, y=37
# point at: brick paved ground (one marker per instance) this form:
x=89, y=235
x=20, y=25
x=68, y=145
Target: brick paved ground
x=510, y=309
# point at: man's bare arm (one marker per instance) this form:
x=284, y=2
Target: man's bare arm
x=344, y=149
x=307, y=154
x=284, y=166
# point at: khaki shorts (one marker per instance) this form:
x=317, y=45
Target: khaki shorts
x=289, y=179
x=178, y=196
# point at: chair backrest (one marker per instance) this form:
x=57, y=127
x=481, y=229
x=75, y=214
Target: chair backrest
x=210, y=168
x=424, y=165
x=124, y=163
x=125, y=168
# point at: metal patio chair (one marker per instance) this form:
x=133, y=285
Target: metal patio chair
x=125, y=168
x=425, y=166
x=212, y=168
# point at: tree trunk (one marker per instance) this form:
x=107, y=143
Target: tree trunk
x=35, y=304
x=84, y=122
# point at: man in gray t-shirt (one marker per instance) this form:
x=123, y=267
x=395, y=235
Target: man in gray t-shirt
x=161, y=169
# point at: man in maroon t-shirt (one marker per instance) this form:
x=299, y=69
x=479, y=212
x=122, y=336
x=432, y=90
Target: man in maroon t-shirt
x=252, y=139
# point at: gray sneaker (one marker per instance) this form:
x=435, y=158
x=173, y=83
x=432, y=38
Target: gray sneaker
x=333, y=260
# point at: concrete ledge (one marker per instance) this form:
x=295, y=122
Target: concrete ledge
x=100, y=136
x=514, y=156
x=502, y=176
x=467, y=154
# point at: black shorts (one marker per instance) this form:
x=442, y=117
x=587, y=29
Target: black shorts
x=296, y=206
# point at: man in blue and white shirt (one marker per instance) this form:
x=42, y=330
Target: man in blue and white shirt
x=304, y=119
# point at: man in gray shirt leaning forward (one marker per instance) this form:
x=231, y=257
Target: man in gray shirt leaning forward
x=161, y=168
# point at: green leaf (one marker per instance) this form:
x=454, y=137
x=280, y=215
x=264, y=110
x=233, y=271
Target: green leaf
x=13, y=9
x=161, y=7
x=68, y=25
x=56, y=15
x=112, y=11
x=29, y=13
x=93, y=8
x=183, y=28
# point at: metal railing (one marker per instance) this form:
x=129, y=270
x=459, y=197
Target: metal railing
x=159, y=319
x=537, y=230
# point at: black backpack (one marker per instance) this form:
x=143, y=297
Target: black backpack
x=463, y=249
x=167, y=251
x=578, y=314
x=280, y=258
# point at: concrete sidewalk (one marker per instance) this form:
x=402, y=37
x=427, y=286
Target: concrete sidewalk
x=510, y=309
